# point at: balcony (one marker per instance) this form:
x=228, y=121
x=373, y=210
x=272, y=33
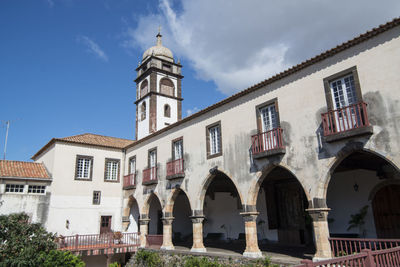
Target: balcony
x=175, y=169
x=150, y=176
x=96, y=244
x=346, y=122
x=129, y=181
x=267, y=144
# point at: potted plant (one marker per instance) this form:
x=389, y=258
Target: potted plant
x=117, y=237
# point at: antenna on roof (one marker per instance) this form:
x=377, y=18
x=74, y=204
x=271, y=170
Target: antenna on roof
x=7, y=123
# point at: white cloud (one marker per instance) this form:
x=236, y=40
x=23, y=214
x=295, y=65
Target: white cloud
x=239, y=43
x=93, y=47
x=192, y=111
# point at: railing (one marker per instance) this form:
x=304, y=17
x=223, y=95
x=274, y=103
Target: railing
x=366, y=258
x=348, y=246
x=150, y=174
x=266, y=141
x=97, y=241
x=345, y=119
x=130, y=180
x=154, y=240
x=175, y=167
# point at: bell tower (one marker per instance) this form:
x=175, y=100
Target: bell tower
x=158, y=90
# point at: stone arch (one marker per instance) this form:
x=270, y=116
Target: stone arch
x=146, y=206
x=127, y=212
x=129, y=204
x=346, y=151
x=169, y=206
x=255, y=187
x=167, y=87
x=208, y=181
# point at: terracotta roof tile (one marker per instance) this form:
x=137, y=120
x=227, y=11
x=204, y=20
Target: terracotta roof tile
x=90, y=139
x=21, y=169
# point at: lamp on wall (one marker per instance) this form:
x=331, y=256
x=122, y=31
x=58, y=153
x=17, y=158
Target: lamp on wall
x=67, y=224
x=355, y=186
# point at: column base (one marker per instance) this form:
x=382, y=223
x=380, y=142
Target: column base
x=167, y=247
x=198, y=250
x=253, y=254
x=314, y=259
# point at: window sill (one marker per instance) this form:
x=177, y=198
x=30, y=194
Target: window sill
x=214, y=155
x=83, y=179
x=111, y=181
x=367, y=130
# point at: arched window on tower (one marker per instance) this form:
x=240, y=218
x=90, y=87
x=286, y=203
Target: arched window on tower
x=144, y=88
x=167, y=111
x=143, y=111
x=167, y=87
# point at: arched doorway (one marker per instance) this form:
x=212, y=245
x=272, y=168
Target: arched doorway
x=353, y=212
x=134, y=216
x=386, y=208
x=182, y=230
x=155, y=216
x=221, y=207
x=283, y=219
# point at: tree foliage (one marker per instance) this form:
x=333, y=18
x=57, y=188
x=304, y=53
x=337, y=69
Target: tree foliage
x=28, y=244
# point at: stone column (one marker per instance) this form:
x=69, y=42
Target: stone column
x=198, y=245
x=144, y=230
x=250, y=226
x=167, y=233
x=321, y=233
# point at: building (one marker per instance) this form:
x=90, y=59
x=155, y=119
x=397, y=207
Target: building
x=287, y=161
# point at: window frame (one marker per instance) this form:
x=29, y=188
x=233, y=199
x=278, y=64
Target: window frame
x=105, y=170
x=167, y=108
x=129, y=165
x=327, y=85
x=148, y=157
x=173, y=147
x=273, y=101
x=208, y=141
x=90, y=169
x=99, y=197
x=37, y=185
x=8, y=192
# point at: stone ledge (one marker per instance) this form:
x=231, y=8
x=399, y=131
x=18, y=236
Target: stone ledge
x=269, y=153
x=176, y=176
x=351, y=133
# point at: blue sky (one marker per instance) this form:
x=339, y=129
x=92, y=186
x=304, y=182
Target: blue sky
x=67, y=66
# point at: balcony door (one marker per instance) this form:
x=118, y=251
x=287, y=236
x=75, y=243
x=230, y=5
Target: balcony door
x=105, y=224
x=152, y=163
x=344, y=98
x=269, y=121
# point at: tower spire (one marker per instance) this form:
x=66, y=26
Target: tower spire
x=159, y=42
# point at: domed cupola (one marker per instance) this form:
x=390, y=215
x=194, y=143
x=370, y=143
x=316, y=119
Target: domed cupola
x=159, y=51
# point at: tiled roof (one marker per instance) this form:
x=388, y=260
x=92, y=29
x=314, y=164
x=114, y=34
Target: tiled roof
x=90, y=139
x=329, y=53
x=22, y=169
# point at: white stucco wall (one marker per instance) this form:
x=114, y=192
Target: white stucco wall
x=161, y=119
x=143, y=125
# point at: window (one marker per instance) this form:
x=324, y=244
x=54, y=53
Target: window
x=214, y=140
x=96, y=197
x=269, y=117
x=84, y=167
x=167, y=111
x=177, y=149
x=132, y=165
x=112, y=170
x=167, y=87
x=144, y=88
x=14, y=188
x=36, y=189
x=153, y=163
x=143, y=111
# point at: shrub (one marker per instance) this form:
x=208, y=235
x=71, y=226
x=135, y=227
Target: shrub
x=148, y=258
x=200, y=262
x=114, y=264
x=57, y=258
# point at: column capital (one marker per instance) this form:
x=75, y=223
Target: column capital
x=250, y=216
x=167, y=220
x=144, y=221
x=197, y=218
x=319, y=214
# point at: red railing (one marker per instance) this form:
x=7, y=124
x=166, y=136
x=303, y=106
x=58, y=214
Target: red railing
x=150, y=174
x=266, y=141
x=175, y=167
x=97, y=241
x=130, y=180
x=345, y=119
x=154, y=240
x=366, y=258
x=348, y=246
